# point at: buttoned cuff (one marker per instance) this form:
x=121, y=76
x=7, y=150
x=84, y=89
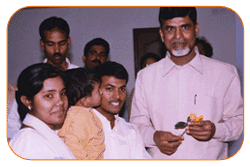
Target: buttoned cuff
x=219, y=131
x=150, y=138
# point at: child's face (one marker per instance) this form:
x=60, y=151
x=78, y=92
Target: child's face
x=95, y=99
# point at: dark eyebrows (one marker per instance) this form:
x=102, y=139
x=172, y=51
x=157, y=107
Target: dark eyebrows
x=186, y=25
x=114, y=86
x=92, y=51
x=167, y=27
x=110, y=85
x=124, y=86
x=56, y=42
x=53, y=90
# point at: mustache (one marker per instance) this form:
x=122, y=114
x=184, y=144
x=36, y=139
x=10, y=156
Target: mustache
x=58, y=54
x=178, y=41
x=96, y=61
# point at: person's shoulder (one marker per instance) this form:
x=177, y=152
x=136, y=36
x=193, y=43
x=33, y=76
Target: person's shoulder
x=153, y=69
x=72, y=66
x=129, y=126
x=79, y=112
x=219, y=66
x=25, y=137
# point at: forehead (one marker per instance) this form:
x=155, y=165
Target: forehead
x=178, y=21
x=97, y=47
x=55, y=83
x=54, y=35
x=111, y=80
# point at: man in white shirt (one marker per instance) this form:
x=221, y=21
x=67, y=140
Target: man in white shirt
x=182, y=83
x=55, y=43
x=122, y=139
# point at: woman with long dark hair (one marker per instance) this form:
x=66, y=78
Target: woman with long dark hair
x=41, y=92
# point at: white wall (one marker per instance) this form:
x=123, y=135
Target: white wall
x=116, y=26
x=113, y=24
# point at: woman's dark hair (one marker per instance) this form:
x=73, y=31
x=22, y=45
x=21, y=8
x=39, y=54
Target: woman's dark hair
x=79, y=84
x=112, y=69
x=149, y=55
x=172, y=12
x=30, y=82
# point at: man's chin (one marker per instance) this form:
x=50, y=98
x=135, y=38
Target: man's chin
x=181, y=52
x=94, y=65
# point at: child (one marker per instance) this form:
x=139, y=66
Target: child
x=82, y=130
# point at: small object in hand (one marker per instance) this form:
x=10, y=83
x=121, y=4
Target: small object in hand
x=193, y=117
x=180, y=125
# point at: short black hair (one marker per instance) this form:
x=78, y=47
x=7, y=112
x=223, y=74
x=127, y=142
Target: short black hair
x=172, y=12
x=97, y=41
x=54, y=22
x=149, y=55
x=112, y=69
x=79, y=84
x=31, y=81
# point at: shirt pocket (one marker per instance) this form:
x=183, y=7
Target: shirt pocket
x=210, y=107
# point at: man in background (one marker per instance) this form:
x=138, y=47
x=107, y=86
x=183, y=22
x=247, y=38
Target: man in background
x=205, y=48
x=96, y=52
x=55, y=42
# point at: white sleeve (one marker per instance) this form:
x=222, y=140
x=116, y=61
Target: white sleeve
x=140, y=115
x=30, y=145
x=139, y=150
x=14, y=122
x=232, y=125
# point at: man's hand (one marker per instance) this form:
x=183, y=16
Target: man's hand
x=201, y=130
x=167, y=142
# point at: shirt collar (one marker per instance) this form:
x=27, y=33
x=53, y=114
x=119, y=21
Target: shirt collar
x=196, y=63
x=39, y=125
x=67, y=61
x=104, y=119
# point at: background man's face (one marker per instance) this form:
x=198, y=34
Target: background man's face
x=96, y=56
x=113, y=95
x=179, y=35
x=55, y=46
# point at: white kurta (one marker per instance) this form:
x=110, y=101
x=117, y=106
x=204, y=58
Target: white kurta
x=123, y=141
x=166, y=94
x=39, y=142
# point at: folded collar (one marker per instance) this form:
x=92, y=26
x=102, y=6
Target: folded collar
x=196, y=63
x=67, y=60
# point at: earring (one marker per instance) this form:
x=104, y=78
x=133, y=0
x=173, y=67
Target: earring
x=29, y=107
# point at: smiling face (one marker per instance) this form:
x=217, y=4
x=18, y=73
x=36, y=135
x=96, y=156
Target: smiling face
x=113, y=96
x=50, y=103
x=55, y=46
x=179, y=36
